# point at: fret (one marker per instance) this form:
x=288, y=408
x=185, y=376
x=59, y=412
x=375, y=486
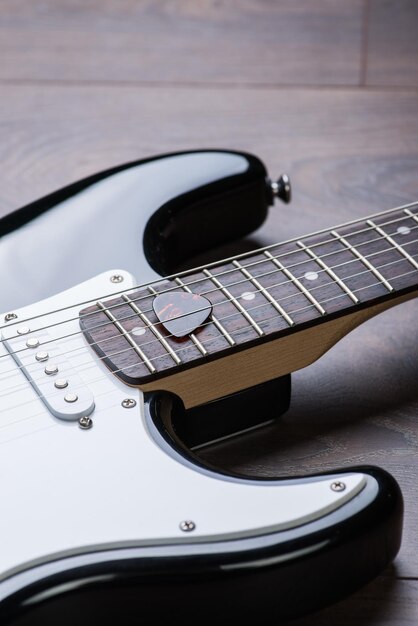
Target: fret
x=414, y=217
x=234, y=301
x=329, y=271
x=393, y=243
x=152, y=328
x=127, y=336
x=364, y=260
x=192, y=336
x=296, y=282
x=265, y=293
x=256, y=297
x=211, y=317
x=198, y=344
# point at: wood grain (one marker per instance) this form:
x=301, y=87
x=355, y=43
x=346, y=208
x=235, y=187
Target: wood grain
x=384, y=601
x=349, y=151
x=393, y=43
x=260, y=42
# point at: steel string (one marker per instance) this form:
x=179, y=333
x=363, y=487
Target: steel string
x=245, y=254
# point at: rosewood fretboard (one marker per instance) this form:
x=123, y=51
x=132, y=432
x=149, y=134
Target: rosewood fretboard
x=259, y=297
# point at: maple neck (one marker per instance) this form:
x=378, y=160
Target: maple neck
x=260, y=296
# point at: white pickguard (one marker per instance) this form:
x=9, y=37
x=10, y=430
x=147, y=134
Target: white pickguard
x=64, y=490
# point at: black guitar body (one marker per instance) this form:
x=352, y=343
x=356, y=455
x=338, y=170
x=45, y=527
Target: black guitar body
x=143, y=217
x=220, y=195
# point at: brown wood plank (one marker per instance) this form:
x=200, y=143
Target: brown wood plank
x=255, y=41
x=349, y=153
x=393, y=43
x=384, y=601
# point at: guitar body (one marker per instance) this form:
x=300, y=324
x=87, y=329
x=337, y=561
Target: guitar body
x=142, y=217
x=120, y=522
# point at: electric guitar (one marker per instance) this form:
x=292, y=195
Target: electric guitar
x=115, y=364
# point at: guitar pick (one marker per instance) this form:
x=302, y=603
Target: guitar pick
x=181, y=312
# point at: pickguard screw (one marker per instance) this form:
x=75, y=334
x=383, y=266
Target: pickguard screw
x=338, y=485
x=116, y=278
x=128, y=403
x=187, y=526
x=10, y=316
x=85, y=422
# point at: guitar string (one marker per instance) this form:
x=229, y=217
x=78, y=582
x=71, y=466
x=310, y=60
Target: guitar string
x=149, y=326
x=176, y=287
x=209, y=339
x=103, y=377
x=57, y=423
x=244, y=280
x=191, y=271
x=240, y=256
x=235, y=314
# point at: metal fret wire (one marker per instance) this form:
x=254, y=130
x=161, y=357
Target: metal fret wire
x=363, y=259
x=299, y=285
x=128, y=337
x=220, y=274
x=225, y=317
x=109, y=308
x=405, y=208
x=235, y=302
x=123, y=369
x=216, y=304
x=212, y=318
x=153, y=328
x=329, y=271
x=393, y=243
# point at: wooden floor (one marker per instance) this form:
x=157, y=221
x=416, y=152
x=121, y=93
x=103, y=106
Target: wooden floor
x=325, y=90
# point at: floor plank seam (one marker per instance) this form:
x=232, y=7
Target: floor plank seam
x=70, y=83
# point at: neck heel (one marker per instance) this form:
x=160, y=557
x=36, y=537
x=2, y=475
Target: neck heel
x=228, y=416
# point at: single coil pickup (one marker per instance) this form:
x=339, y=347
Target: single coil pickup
x=53, y=378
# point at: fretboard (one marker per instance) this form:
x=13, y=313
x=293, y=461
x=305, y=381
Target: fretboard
x=260, y=296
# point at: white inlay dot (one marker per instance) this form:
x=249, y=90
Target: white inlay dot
x=138, y=330
x=403, y=230
x=248, y=295
x=311, y=275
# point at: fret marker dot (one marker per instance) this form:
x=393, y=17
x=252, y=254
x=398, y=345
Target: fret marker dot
x=403, y=230
x=248, y=295
x=138, y=330
x=311, y=275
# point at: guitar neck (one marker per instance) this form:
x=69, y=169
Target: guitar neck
x=273, y=311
